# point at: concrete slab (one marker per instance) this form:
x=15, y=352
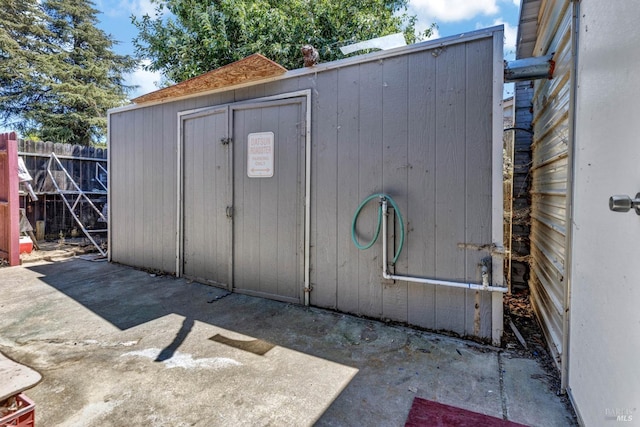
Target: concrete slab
x=118, y=346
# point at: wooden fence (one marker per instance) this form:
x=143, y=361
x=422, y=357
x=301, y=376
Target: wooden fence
x=79, y=161
x=49, y=215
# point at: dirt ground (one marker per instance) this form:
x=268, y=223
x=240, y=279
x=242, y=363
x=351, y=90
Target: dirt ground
x=58, y=249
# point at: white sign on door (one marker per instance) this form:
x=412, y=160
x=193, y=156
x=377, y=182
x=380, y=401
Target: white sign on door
x=260, y=154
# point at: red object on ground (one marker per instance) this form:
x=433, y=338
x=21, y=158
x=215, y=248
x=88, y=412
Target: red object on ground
x=433, y=414
x=26, y=246
x=23, y=417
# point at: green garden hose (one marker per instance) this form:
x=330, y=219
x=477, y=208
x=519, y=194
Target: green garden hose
x=379, y=196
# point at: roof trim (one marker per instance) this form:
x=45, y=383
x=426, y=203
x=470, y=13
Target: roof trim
x=370, y=57
x=527, y=28
x=250, y=69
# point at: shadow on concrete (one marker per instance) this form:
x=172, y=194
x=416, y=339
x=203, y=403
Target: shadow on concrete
x=126, y=298
x=168, y=352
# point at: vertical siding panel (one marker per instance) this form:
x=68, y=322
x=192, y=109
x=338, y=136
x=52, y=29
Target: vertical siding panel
x=188, y=230
x=450, y=182
x=251, y=202
x=239, y=169
x=289, y=174
x=268, y=210
x=120, y=143
x=395, y=174
x=169, y=182
x=191, y=208
x=138, y=197
x=370, y=181
x=128, y=171
x=325, y=178
x=478, y=195
x=199, y=196
x=154, y=150
x=347, y=191
x=219, y=239
x=420, y=243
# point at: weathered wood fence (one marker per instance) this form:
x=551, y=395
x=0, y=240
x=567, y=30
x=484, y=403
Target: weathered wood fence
x=87, y=168
x=79, y=161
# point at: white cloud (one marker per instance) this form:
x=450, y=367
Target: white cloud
x=139, y=8
x=516, y=2
x=455, y=10
x=118, y=8
x=147, y=81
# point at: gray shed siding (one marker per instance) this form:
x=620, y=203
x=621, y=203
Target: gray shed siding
x=417, y=125
x=549, y=174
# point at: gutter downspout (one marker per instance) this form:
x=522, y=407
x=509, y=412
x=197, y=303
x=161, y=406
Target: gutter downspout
x=385, y=268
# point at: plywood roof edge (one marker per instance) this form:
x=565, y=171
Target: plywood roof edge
x=166, y=93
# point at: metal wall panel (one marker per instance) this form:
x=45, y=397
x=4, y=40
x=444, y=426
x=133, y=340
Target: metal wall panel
x=549, y=173
x=416, y=123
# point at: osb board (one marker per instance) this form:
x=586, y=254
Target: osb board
x=252, y=68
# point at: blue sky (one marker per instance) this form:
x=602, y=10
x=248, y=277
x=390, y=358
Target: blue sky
x=451, y=16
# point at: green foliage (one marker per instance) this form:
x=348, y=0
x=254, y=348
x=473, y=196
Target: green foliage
x=186, y=38
x=63, y=76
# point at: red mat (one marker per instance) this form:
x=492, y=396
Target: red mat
x=433, y=414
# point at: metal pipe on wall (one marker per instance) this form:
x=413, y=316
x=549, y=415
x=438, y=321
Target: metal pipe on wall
x=538, y=67
x=385, y=269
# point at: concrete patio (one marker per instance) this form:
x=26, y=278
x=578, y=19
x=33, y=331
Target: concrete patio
x=118, y=346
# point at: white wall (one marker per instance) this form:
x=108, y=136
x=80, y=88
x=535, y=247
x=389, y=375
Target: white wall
x=604, y=350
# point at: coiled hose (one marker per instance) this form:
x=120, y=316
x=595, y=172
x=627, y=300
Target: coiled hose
x=381, y=197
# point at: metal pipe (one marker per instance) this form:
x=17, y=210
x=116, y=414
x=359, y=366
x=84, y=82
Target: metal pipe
x=385, y=268
x=537, y=67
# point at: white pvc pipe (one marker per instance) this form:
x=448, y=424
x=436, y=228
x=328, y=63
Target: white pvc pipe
x=385, y=269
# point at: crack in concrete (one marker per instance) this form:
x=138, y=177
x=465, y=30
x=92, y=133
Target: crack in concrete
x=503, y=397
x=75, y=343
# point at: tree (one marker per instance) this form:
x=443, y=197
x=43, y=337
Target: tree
x=186, y=38
x=73, y=77
x=24, y=47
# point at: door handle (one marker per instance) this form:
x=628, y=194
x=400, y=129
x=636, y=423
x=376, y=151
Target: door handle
x=624, y=203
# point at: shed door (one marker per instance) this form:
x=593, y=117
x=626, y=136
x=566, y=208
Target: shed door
x=206, y=195
x=268, y=193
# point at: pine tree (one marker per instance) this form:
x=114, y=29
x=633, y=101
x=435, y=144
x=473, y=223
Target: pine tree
x=24, y=47
x=76, y=76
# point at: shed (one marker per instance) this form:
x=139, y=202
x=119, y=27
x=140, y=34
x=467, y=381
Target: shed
x=584, y=150
x=252, y=184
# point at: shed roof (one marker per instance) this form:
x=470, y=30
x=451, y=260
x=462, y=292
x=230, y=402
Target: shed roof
x=250, y=69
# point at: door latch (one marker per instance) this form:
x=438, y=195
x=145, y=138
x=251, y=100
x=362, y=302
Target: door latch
x=225, y=141
x=624, y=203
x=229, y=211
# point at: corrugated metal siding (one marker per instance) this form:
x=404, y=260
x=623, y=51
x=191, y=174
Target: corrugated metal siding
x=417, y=126
x=549, y=173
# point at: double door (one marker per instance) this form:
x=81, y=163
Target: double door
x=243, y=197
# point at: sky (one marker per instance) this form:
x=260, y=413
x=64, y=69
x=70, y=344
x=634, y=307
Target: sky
x=452, y=17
